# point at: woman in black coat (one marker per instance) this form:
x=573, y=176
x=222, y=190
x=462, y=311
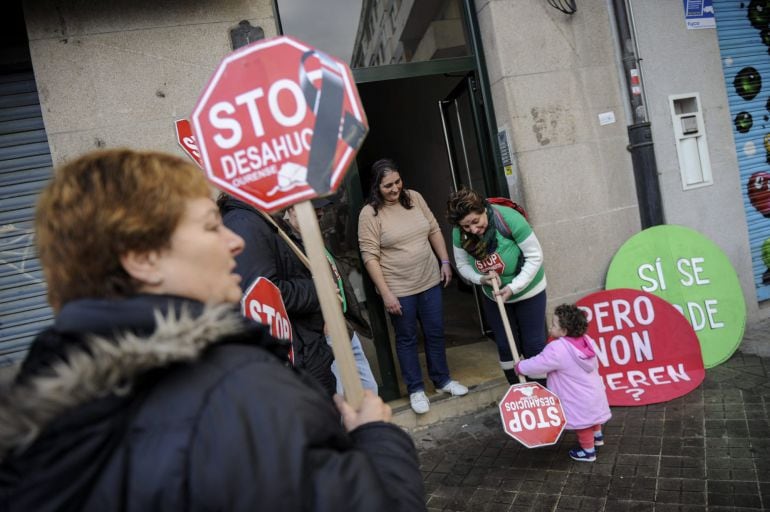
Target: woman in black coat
x=151, y=392
x=266, y=254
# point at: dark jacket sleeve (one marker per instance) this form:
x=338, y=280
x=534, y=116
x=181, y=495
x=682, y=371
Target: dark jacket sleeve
x=265, y=254
x=286, y=450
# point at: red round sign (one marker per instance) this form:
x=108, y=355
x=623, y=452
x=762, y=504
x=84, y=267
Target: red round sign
x=532, y=415
x=278, y=123
x=647, y=350
x=263, y=303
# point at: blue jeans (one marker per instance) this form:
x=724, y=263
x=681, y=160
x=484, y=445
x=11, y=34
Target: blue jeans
x=362, y=364
x=527, y=319
x=428, y=308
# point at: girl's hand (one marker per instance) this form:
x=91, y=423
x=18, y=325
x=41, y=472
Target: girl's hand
x=490, y=278
x=392, y=305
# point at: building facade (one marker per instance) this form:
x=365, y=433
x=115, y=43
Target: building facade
x=510, y=97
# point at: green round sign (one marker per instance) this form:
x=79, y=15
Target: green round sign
x=689, y=271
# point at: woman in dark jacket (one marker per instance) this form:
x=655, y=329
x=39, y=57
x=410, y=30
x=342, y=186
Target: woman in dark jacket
x=266, y=254
x=150, y=391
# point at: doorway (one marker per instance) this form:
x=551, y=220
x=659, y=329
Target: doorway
x=407, y=58
x=430, y=126
x=462, y=121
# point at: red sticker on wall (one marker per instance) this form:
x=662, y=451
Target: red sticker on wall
x=648, y=352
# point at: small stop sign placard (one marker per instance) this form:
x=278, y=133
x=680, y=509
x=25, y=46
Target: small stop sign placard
x=278, y=123
x=532, y=415
x=263, y=303
x=186, y=139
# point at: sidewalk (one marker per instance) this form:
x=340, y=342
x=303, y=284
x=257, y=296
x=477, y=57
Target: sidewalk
x=706, y=451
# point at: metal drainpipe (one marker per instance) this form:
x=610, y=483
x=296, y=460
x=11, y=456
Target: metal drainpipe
x=639, y=132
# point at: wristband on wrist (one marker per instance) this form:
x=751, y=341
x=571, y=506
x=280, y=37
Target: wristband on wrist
x=445, y=262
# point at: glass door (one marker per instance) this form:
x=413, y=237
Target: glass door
x=462, y=118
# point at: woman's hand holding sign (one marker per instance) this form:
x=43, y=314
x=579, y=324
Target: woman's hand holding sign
x=489, y=278
x=372, y=409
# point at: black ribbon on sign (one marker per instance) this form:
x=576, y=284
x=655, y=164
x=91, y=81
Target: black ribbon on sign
x=327, y=102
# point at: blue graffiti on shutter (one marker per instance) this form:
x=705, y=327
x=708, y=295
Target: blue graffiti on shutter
x=744, y=43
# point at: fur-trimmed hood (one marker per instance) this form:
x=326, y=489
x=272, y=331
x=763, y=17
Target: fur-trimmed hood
x=101, y=366
x=235, y=429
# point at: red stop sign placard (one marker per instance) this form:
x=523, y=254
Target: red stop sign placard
x=647, y=350
x=263, y=303
x=532, y=415
x=186, y=139
x=278, y=123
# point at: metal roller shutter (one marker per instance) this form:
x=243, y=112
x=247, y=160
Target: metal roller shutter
x=741, y=27
x=25, y=166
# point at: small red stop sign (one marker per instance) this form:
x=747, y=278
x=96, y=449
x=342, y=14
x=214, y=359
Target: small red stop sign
x=532, y=415
x=186, y=139
x=263, y=303
x=279, y=122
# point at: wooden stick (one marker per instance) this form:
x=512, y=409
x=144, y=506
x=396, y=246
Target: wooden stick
x=287, y=238
x=330, y=304
x=507, y=326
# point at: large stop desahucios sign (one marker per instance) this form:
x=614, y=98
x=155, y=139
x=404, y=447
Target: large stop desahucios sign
x=278, y=123
x=532, y=415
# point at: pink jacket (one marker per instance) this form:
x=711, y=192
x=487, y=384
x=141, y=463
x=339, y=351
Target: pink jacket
x=573, y=374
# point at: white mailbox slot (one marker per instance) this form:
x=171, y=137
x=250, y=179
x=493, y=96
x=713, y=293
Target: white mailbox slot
x=691, y=145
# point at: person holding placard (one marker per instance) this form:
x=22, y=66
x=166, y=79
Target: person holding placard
x=267, y=254
x=491, y=242
x=362, y=364
x=573, y=375
x=406, y=257
x=150, y=391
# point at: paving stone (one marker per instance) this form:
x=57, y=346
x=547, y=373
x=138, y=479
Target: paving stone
x=707, y=451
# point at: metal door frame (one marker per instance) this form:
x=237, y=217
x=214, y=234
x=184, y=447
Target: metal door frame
x=465, y=86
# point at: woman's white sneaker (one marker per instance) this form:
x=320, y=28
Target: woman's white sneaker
x=454, y=388
x=419, y=401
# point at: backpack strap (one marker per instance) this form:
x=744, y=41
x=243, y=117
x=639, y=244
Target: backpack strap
x=504, y=229
x=501, y=225
x=504, y=201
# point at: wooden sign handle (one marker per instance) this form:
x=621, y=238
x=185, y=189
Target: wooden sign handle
x=507, y=326
x=330, y=303
x=286, y=238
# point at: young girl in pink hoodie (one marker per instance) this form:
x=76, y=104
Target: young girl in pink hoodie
x=573, y=374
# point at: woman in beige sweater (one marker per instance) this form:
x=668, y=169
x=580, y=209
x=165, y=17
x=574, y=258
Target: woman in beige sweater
x=400, y=242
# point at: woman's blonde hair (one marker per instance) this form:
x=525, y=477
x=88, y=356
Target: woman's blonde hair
x=103, y=205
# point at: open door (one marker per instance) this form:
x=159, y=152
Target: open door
x=428, y=166
x=461, y=120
